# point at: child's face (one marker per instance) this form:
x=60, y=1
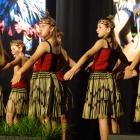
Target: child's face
x=44, y=30
x=16, y=50
x=18, y=28
x=102, y=30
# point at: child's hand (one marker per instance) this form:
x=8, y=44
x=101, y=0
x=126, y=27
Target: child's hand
x=134, y=73
x=69, y=74
x=129, y=73
x=16, y=78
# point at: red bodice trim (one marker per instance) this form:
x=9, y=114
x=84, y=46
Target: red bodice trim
x=20, y=84
x=100, y=60
x=43, y=64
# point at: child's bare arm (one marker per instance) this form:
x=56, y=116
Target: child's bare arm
x=135, y=61
x=67, y=58
x=41, y=49
x=13, y=63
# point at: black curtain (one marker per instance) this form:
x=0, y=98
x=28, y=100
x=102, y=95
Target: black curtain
x=78, y=19
x=51, y=6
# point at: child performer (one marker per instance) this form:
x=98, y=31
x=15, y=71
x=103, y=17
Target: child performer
x=67, y=102
x=45, y=99
x=16, y=104
x=102, y=99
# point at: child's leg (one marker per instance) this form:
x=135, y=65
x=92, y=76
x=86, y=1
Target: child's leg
x=104, y=128
x=115, y=126
x=15, y=118
x=10, y=111
x=64, y=125
x=54, y=124
x=47, y=122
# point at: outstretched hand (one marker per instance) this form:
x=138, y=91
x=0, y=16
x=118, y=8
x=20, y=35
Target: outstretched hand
x=16, y=78
x=129, y=73
x=69, y=75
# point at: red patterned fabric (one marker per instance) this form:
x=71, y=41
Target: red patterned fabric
x=47, y=62
x=100, y=60
x=59, y=75
x=37, y=65
x=21, y=84
x=43, y=64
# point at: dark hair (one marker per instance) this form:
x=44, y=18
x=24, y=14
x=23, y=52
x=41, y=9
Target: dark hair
x=47, y=19
x=57, y=35
x=108, y=22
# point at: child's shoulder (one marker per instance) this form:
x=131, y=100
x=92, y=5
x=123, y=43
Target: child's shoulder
x=24, y=58
x=101, y=42
x=46, y=43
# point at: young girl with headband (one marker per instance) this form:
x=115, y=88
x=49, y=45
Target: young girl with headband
x=102, y=100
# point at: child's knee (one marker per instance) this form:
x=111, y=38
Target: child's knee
x=9, y=117
x=63, y=119
x=10, y=107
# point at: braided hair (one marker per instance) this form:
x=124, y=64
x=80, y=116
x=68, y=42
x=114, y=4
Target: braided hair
x=108, y=22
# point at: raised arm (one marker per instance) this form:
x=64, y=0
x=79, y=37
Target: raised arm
x=123, y=61
x=135, y=61
x=98, y=45
x=67, y=58
x=130, y=70
x=41, y=49
x=13, y=63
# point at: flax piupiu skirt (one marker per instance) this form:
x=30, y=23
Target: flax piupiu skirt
x=46, y=97
x=17, y=102
x=102, y=98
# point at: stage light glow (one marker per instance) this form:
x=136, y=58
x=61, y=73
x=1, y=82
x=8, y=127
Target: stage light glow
x=21, y=17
